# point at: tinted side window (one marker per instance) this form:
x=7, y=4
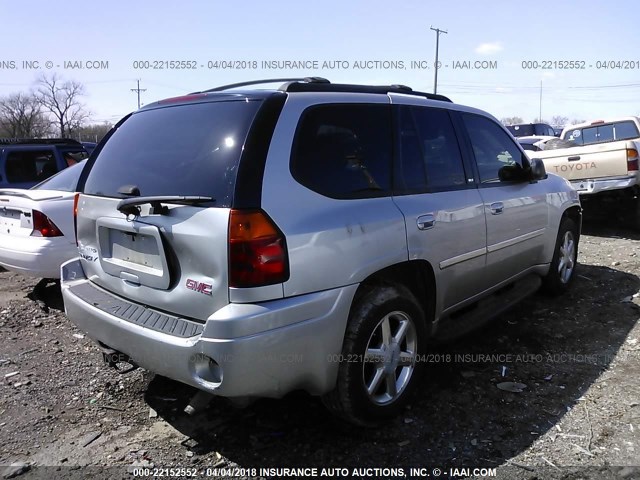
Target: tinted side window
x=497, y=156
x=30, y=165
x=429, y=156
x=344, y=150
x=72, y=157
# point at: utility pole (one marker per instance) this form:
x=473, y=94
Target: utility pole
x=435, y=80
x=540, y=112
x=138, y=90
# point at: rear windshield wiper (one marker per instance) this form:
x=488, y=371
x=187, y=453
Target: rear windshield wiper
x=129, y=206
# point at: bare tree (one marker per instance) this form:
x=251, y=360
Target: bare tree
x=62, y=100
x=511, y=120
x=575, y=121
x=21, y=116
x=540, y=120
x=559, y=121
x=93, y=132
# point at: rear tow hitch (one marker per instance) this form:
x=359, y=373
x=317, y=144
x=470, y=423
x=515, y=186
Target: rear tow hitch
x=198, y=402
x=113, y=359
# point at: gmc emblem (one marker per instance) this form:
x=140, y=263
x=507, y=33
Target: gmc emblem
x=199, y=287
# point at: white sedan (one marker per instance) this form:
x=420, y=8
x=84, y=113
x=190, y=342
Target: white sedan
x=37, y=231
x=534, y=143
x=542, y=142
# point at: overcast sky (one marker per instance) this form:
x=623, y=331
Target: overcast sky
x=382, y=38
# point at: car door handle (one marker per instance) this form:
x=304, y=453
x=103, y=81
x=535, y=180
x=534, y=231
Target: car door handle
x=574, y=158
x=496, y=208
x=425, y=222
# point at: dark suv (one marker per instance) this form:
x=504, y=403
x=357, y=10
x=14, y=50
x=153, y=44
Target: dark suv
x=26, y=162
x=313, y=237
x=531, y=129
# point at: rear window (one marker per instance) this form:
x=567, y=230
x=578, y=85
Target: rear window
x=607, y=132
x=189, y=149
x=522, y=130
x=65, y=181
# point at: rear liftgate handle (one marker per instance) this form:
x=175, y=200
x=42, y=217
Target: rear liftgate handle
x=426, y=222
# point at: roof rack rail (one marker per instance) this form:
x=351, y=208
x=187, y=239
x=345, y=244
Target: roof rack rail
x=349, y=88
x=39, y=141
x=267, y=80
x=320, y=84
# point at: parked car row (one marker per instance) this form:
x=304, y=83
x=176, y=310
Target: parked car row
x=600, y=158
x=532, y=129
x=314, y=237
x=26, y=162
x=37, y=227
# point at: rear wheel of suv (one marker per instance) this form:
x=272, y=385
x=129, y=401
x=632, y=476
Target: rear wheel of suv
x=565, y=259
x=380, y=364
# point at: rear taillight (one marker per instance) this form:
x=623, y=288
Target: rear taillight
x=43, y=226
x=257, y=250
x=632, y=160
x=75, y=216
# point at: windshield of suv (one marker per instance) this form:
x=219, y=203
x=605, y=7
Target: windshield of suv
x=604, y=132
x=191, y=149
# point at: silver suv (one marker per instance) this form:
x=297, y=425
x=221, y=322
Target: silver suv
x=317, y=237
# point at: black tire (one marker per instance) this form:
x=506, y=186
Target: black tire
x=565, y=259
x=635, y=216
x=366, y=356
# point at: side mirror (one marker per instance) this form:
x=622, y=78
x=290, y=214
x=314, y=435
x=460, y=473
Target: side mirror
x=511, y=173
x=537, y=170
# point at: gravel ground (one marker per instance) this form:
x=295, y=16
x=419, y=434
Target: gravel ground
x=63, y=413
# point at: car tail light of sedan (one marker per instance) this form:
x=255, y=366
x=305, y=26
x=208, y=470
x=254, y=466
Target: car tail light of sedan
x=43, y=226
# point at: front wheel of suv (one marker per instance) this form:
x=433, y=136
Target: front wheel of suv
x=565, y=259
x=380, y=363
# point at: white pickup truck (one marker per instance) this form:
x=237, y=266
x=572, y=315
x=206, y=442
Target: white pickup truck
x=601, y=162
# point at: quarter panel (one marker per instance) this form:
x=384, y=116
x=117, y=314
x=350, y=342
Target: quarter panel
x=331, y=242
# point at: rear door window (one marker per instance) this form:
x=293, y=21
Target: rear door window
x=429, y=156
x=344, y=150
x=30, y=165
x=191, y=149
